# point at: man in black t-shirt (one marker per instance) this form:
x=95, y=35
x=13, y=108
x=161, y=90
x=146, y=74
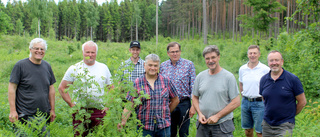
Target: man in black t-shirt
x=31, y=85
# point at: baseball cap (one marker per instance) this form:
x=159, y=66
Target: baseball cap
x=135, y=44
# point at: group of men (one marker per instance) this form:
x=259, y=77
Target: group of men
x=269, y=94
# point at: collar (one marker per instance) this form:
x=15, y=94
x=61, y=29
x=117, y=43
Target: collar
x=258, y=65
x=282, y=76
x=180, y=59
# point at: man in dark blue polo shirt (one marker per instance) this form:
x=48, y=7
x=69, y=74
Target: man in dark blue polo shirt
x=283, y=96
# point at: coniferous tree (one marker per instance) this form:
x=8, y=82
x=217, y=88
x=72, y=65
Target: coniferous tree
x=262, y=9
x=5, y=23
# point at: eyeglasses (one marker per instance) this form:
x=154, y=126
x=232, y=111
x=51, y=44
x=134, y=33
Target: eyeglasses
x=36, y=48
x=172, y=52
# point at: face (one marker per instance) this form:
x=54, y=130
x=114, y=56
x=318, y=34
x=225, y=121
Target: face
x=37, y=51
x=212, y=60
x=135, y=51
x=151, y=67
x=275, y=62
x=89, y=54
x=253, y=55
x=174, y=53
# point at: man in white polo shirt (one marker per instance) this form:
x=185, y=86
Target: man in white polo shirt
x=252, y=108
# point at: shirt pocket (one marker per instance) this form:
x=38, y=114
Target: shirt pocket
x=165, y=93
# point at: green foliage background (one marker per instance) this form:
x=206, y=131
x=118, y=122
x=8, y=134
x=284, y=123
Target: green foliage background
x=300, y=52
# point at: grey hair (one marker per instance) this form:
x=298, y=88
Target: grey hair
x=152, y=57
x=275, y=51
x=209, y=49
x=35, y=41
x=90, y=43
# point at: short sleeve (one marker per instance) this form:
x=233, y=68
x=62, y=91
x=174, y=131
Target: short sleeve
x=195, y=90
x=15, y=74
x=298, y=88
x=68, y=75
x=233, y=87
x=173, y=91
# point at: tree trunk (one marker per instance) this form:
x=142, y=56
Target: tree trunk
x=136, y=29
x=217, y=15
x=91, y=32
x=205, y=31
x=199, y=27
x=234, y=20
x=193, y=21
x=39, y=27
x=224, y=19
x=288, y=11
x=157, y=24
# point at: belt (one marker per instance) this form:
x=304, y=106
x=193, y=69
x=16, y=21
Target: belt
x=253, y=99
x=184, y=99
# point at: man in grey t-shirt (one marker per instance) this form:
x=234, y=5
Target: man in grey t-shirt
x=215, y=96
x=31, y=87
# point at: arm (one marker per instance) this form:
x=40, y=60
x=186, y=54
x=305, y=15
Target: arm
x=52, y=97
x=195, y=102
x=13, y=116
x=225, y=111
x=241, y=87
x=192, y=111
x=66, y=97
x=125, y=115
x=301, y=99
x=173, y=103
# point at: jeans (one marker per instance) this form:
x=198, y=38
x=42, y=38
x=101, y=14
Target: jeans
x=252, y=114
x=165, y=132
x=180, y=119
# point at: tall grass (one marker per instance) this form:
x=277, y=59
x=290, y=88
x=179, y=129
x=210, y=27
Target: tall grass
x=62, y=54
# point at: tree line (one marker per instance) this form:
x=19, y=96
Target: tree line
x=136, y=20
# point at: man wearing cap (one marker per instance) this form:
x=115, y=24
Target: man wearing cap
x=135, y=61
x=182, y=74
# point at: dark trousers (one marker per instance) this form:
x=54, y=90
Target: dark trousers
x=24, y=119
x=95, y=119
x=180, y=119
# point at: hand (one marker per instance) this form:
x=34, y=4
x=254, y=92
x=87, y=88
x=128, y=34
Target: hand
x=105, y=110
x=52, y=115
x=72, y=105
x=120, y=125
x=202, y=119
x=192, y=111
x=13, y=116
x=213, y=119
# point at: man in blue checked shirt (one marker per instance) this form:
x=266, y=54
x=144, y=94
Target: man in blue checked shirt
x=154, y=113
x=182, y=74
x=134, y=60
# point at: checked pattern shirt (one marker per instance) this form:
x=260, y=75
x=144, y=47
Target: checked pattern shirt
x=154, y=111
x=137, y=71
x=182, y=76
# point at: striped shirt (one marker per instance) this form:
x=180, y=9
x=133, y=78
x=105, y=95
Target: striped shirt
x=154, y=111
x=182, y=76
x=137, y=71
